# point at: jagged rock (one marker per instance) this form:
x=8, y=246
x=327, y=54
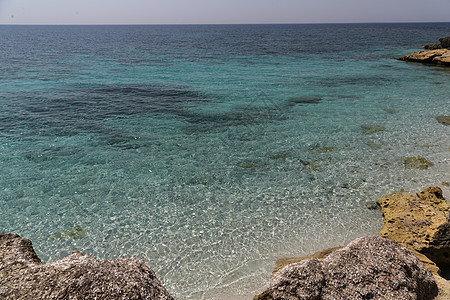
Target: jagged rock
x=77, y=276
x=445, y=42
x=438, y=56
x=370, y=129
x=419, y=163
x=369, y=267
x=419, y=222
x=444, y=120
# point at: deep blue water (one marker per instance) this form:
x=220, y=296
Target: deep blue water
x=196, y=147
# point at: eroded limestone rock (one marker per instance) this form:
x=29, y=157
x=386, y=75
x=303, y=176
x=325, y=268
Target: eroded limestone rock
x=77, y=276
x=420, y=222
x=437, y=56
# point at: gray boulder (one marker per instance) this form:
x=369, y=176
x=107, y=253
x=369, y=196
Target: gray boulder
x=367, y=268
x=77, y=276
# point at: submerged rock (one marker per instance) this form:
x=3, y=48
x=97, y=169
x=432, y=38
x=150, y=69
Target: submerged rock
x=444, y=120
x=419, y=163
x=77, y=276
x=74, y=233
x=322, y=149
x=374, y=146
x=370, y=129
x=372, y=205
x=311, y=165
x=390, y=110
x=397, y=192
x=281, y=155
x=247, y=164
x=303, y=100
x=369, y=267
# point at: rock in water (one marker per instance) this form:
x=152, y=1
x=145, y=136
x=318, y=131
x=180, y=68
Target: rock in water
x=367, y=268
x=371, y=129
x=77, y=276
x=418, y=163
x=444, y=120
x=303, y=100
x=74, y=233
x=432, y=46
x=438, y=56
x=419, y=222
x=445, y=42
x=322, y=149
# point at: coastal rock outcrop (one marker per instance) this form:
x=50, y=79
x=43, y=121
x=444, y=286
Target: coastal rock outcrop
x=434, y=54
x=368, y=267
x=420, y=222
x=77, y=276
x=438, y=57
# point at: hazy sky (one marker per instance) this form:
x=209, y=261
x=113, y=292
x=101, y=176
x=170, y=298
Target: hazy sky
x=220, y=11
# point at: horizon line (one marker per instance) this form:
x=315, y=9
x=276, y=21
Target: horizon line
x=206, y=24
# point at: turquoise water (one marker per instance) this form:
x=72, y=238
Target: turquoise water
x=196, y=147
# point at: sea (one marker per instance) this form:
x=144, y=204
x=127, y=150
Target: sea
x=210, y=151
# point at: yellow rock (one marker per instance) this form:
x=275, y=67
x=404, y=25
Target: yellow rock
x=419, y=222
x=438, y=56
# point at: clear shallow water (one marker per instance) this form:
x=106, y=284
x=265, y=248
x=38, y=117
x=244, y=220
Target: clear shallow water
x=188, y=146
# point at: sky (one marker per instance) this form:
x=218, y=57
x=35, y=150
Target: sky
x=221, y=11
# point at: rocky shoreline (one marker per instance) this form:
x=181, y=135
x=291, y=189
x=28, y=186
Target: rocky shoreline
x=436, y=54
x=414, y=226
x=409, y=260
